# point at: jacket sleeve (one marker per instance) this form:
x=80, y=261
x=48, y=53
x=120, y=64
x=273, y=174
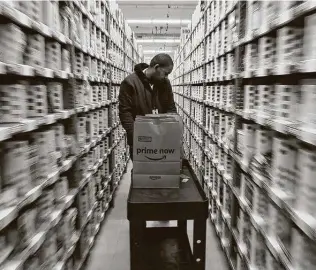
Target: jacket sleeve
x=171, y=107
x=126, y=110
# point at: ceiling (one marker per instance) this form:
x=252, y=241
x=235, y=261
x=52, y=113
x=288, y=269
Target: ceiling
x=157, y=10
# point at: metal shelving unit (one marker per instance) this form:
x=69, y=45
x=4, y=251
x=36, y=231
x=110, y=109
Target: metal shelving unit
x=244, y=85
x=63, y=150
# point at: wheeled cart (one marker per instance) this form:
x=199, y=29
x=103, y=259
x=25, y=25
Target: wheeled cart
x=186, y=203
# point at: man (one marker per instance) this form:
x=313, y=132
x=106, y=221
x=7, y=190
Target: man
x=146, y=91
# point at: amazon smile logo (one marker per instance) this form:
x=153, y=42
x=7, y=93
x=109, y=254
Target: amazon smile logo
x=157, y=159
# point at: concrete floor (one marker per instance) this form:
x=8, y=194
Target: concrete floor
x=111, y=250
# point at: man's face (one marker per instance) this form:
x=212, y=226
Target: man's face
x=162, y=73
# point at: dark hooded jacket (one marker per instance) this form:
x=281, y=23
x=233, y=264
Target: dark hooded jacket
x=137, y=97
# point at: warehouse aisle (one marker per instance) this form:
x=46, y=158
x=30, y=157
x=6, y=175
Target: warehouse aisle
x=111, y=250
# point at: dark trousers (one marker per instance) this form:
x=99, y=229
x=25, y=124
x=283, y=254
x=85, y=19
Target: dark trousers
x=131, y=152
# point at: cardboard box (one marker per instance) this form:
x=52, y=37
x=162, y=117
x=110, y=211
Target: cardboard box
x=157, y=168
x=155, y=181
x=157, y=139
x=157, y=151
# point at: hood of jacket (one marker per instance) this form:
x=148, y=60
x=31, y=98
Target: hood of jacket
x=140, y=67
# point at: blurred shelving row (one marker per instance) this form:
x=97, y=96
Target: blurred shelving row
x=244, y=83
x=63, y=150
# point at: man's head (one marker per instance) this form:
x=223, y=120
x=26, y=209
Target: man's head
x=160, y=67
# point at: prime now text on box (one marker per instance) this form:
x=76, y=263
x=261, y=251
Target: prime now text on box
x=152, y=151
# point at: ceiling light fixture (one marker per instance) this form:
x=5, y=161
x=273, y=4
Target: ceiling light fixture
x=157, y=21
x=158, y=40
